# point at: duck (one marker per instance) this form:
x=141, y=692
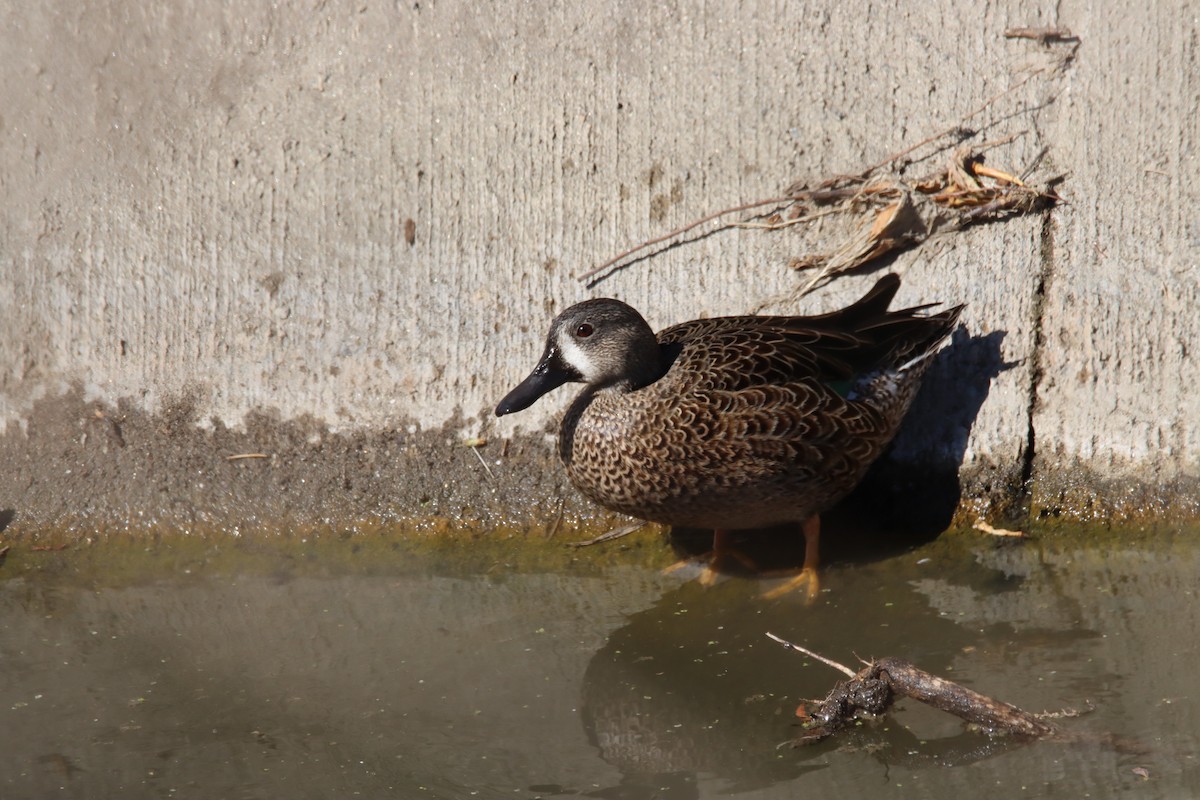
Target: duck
x=733, y=423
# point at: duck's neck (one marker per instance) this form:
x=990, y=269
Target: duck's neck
x=653, y=364
x=642, y=366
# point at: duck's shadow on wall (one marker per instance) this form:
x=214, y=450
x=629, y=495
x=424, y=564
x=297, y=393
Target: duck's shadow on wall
x=910, y=494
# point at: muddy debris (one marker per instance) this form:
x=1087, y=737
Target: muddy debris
x=874, y=689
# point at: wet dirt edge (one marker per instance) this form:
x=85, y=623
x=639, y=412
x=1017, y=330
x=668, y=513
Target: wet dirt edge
x=78, y=467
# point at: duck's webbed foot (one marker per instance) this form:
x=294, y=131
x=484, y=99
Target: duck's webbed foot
x=723, y=550
x=808, y=574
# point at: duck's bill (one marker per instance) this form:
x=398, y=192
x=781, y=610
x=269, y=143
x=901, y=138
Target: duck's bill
x=548, y=375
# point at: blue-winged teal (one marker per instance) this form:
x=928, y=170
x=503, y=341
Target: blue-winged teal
x=732, y=422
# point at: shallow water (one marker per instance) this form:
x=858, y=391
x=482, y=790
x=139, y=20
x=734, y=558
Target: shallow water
x=246, y=673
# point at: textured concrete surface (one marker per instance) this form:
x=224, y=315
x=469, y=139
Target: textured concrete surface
x=356, y=220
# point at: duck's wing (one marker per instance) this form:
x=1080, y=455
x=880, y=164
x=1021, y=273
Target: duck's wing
x=831, y=350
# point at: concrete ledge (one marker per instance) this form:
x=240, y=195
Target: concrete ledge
x=339, y=233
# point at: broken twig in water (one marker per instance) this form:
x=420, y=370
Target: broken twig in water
x=981, y=525
x=624, y=530
x=871, y=691
x=829, y=662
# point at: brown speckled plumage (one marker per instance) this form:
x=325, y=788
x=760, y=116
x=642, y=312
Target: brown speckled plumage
x=732, y=422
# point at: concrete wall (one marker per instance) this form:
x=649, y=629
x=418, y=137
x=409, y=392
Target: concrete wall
x=351, y=223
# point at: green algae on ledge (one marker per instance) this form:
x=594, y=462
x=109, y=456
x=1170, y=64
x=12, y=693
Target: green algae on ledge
x=117, y=558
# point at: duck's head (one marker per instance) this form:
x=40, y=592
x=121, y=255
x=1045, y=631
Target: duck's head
x=601, y=342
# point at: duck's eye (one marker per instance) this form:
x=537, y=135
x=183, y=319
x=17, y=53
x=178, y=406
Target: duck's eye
x=584, y=330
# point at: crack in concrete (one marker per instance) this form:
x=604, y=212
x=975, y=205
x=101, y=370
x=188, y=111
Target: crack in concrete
x=1044, y=276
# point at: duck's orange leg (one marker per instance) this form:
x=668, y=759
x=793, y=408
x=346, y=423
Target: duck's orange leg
x=808, y=575
x=722, y=549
